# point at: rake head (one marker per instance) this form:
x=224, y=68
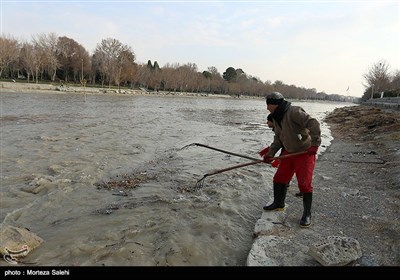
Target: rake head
x=187, y=146
x=199, y=185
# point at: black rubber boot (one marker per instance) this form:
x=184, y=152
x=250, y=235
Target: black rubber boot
x=298, y=194
x=307, y=201
x=279, y=198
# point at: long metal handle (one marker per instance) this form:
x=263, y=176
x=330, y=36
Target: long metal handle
x=254, y=162
x=239, y=155
x=290, y=155
x=200, y=182
x=220, y=150
x=234, y=167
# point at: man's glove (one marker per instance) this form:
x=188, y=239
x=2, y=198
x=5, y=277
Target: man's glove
x=267, y=159
x=312, y=150
x=275, y=163
x=264, y=151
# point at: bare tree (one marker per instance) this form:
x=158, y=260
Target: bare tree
x=107, y=52
x=9, y=51
x=81, y=65
x=377, y=78
x=167, y=77
x=155, y=79
x=173, y=79
x=142, y=75
x=395, y=81
x=26, y=60
x=70, y=55
x=98, y=67
x=38, y=57
x=46, y=46
x=112, y=58
x=128, y=67
x=124, y=65
x=217, y=83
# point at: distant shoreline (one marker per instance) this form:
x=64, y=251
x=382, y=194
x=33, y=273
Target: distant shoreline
x=51, y=88
x=74, y=89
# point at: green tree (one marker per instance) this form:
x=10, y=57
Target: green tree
x=149, y=65
x=156, y=67
x=230, y=74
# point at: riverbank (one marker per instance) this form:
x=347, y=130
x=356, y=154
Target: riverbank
x=356, y=195
x=65, y=88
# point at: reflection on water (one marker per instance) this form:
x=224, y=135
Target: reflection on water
x=105, y=182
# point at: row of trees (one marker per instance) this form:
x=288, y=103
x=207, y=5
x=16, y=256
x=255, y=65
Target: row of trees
x=62, y=59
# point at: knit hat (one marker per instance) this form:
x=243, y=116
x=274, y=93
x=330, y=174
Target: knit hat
x=269, y=118
x=274, y=98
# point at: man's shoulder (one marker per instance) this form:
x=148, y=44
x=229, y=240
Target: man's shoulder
x=296, y=109
x=298, y=112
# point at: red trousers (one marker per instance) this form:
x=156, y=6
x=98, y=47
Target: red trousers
x=301, y=165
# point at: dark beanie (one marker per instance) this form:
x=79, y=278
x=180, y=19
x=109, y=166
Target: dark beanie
x=274, y=98
x=269, y=118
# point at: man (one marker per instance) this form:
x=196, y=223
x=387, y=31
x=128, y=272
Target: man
x=275, y=163
x=295, y=131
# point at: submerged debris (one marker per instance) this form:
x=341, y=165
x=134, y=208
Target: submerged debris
x=131, y=204
x=124, y=181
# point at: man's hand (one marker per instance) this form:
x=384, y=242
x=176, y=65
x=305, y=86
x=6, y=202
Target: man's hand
x=267, y=159
x=264, y=151
x=312, y=150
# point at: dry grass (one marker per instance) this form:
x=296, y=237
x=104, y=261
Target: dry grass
x=364, y=122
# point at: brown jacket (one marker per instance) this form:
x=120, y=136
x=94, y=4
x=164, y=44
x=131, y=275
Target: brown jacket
x=297, y=132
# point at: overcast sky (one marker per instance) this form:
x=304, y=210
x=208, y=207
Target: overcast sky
x=326, y=45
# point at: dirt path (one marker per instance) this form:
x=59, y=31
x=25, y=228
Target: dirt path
x=356, y=186
x=358, y=182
